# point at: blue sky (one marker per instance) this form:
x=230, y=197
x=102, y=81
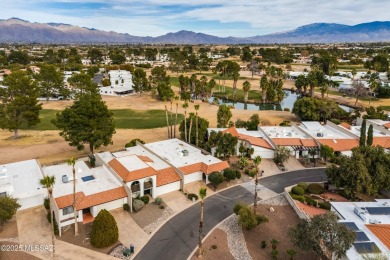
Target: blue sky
x=216, y=17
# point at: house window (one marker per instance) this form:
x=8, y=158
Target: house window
x=67, y=210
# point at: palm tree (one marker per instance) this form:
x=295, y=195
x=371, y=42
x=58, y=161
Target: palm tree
x=212, y=85
x=264, y=86
x=72, y=162
x=256, y=161
x=166, y=115
x=373, y=84
x=174, y=133
x=48, y=183
x=196, y=124
x=189, y=131
x=202, y=195
x=246, y=86
x=235, y=76
x=185, y=105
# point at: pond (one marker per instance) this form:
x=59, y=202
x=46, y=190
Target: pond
x=287, y=102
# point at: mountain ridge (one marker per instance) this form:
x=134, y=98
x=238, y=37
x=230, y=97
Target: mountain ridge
x=16, y=30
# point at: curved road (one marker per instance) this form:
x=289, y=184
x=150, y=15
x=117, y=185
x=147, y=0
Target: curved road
x=179, y=236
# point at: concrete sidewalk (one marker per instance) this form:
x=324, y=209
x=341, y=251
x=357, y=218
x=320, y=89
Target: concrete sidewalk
x=262, y=192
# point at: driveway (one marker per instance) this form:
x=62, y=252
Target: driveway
x=34, y=229
x=178, y=237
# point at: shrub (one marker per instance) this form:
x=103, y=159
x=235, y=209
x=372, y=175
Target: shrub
x=246, y=171
x=303, y=185
x=253, y=172
x=274, y=242
x=158, y=201
x=261, y=219
x=335, y=121
x=229, y=174
x=46, y=203
x=145, y=199
x=297, y=190
x=134, y=142
x=161, y=207
x=104, y=230
x=215, y=179
x=238, y=174
x=263, y=244
x=291, y=253
x=285, y=123
x=192, y=195
x=274, y=254
x=126, y=207
x=238, y=206
x=56, y=231
x=247, y=218
x=286, y=109
x=214, y=246
x=297, y=197
x=315, y=188
x=310, y=201
x=325, y=205
x=138, y=204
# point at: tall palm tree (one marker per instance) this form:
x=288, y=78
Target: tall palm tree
x=72, y=162
x=246, y=86
x=202, y=195
x=264, y=86
x=196, y=124
x=170, y=121
x=212, y=85
x=185, y=105
x=189, y=131
x=256, y=161
x=166, y=116
x=48, y=183
x=174, y=133
x=235, y=76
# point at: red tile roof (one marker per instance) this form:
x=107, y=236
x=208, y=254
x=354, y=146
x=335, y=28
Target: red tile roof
x=166, y=176
x=382, y=232
x=382, y=141
x=287, y=141
x=83, y=201
x=145, y=158
x=232, y=130
x=340, y=144
x=202, y=167
x=346, y=125
x=309, y=143
x=256, y=141
x=127, y=175
x=387, y=125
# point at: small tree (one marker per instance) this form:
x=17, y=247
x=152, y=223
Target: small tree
x=362, y=140
x=223, y=115
x=247, y=218
x=215, y=178
x=8, y=208
x=133, y=142
x=104, y=231
x=323, y=235
x=229, y=174
x=326, y=152
x=282, y=154
x=370, y=135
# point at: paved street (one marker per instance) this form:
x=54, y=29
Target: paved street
x=178, y=237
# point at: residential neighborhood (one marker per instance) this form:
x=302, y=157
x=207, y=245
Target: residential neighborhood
x=204, y=130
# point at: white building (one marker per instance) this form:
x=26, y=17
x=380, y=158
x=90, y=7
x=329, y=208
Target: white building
x=371, y=223
x=121, y=83
x=21, y=180
x=96, y=189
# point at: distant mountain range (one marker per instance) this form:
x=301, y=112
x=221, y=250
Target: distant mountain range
x=15, y=30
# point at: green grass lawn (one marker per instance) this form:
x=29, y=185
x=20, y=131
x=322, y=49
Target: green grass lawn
x=253, y=94
x=124, y=118
x=387, y=108
x=174, y=81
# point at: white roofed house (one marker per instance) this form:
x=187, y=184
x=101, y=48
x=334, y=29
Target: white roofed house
x=160, y=167
x=121, y=83
x=21, y=180
x=96, y=189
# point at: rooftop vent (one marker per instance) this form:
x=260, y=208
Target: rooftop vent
x=185, y=152
x=320, y=134
x=65, y=179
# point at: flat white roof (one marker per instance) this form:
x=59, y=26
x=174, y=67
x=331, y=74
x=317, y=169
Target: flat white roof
x=356, y=130
x=172, y=151
x=315, y=129
x=243, y=131
x=157, y=163
x=283, y=132
x=24, y=178
x=346, y=210
x=103, y=179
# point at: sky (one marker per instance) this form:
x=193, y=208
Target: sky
x=223, y=18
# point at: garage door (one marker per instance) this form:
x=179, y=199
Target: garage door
x=31, y=202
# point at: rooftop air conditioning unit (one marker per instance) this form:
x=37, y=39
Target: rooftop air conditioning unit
x=65, y=178
x=320, y=134
x=185, y=152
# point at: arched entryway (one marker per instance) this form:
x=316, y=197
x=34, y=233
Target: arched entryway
x=135, y=189
x=148, y=186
